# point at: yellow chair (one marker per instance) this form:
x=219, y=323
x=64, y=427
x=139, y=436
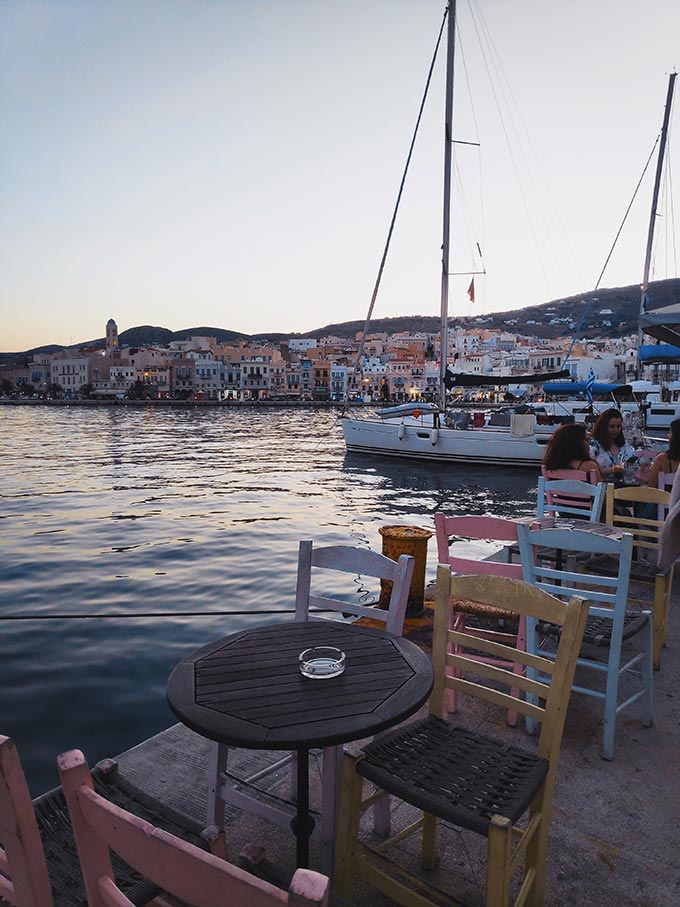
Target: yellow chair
x=624, y=508
x=459, y=775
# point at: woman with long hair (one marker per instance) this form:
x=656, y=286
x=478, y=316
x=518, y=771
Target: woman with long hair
x=608, y=446
x=669, y=460
x=568, y=449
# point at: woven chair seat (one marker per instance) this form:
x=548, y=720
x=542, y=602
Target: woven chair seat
x=454, y=773
x=490, y=611
x=598, y=630
x=56, y=832
x=607, y=565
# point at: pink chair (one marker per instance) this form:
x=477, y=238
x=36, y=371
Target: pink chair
x=183, y=870
x=495, y=529
x=578, y=474
x=24, y=880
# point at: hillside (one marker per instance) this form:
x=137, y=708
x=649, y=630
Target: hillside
x=612, y=313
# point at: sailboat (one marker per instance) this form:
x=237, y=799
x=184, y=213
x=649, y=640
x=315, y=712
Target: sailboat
x=427, y=431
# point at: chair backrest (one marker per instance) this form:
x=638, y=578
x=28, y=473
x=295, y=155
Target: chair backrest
x=607, y=595
x=556, y=497
x=491, y=528
x=24, y=881
x=357, y=561
x=178, y=867
x=664, y=483
x=578, y=474
x=620, y=511
x=526, y=600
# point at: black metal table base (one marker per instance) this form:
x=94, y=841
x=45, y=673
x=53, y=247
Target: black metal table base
x=302, y=823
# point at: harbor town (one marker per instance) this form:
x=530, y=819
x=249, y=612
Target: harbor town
x=397, y=367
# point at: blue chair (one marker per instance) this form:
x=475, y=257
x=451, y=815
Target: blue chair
x=608, y=624
x=567, y=497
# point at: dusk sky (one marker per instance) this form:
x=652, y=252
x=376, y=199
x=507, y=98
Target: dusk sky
x=234, y=163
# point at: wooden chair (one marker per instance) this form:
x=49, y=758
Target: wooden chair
x=577, y=474
x=226, y=788
x=495, y=529
x=39, y=864
x=24, y=879
x=635, y=509
x=664, y=483
x=183, y=870
x=440, y=767
x=608, y=625
x=564, y=497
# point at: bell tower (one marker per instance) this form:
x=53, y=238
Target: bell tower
x=111, y=336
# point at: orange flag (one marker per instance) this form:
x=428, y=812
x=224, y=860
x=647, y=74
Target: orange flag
x=471, y=290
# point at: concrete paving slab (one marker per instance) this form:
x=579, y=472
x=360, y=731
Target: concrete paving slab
x=615, y=834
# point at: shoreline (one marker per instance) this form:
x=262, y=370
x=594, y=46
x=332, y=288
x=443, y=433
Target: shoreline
x=221, y=404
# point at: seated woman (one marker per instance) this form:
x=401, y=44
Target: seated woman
x=608, y=446
x=669, y=460
x=568, y=449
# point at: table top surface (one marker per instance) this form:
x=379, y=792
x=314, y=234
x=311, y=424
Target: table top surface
x=246, y=689
x=573, y=523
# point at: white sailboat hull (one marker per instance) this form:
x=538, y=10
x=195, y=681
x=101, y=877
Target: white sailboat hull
x=476, y=446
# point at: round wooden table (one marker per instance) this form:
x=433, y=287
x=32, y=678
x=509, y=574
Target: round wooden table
x=246, y=690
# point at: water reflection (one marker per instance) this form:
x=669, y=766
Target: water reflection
x=126, y=512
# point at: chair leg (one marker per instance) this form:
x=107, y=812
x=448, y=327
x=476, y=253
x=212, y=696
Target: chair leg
x=658, y=618
x=382, y=816
x=430, y=852
x=537, y=852
x=647, y=674
x=518, y=668
x=217, y=765
x=456, y=622
x=531, y=643
x=348, y=825
x=331, y=767
x=498, y=865
x=610, y=702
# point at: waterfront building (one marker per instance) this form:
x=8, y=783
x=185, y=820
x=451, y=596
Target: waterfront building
x=255, y=375
x=70, y=374
x=340, y=378
x=301, y=344
x=207, y=374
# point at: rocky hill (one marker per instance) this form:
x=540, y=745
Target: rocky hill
x=603, y=313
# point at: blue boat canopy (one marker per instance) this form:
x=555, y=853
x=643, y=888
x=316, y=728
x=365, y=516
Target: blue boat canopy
x=572, y=388
x=659, y=352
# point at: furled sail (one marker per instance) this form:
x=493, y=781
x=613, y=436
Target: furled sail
x=463, y=379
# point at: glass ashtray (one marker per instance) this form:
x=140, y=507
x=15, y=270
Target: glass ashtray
x=563, y=524
x=321, y=662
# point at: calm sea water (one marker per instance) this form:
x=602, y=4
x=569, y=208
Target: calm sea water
x=124, y=512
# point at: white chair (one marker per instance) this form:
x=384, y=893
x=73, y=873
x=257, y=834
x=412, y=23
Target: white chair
x=181, y=869
x=226, y=788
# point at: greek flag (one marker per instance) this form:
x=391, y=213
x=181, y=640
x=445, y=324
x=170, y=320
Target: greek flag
x=590, y=381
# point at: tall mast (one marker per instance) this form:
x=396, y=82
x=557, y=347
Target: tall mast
x=448, y=145
x=652, y=216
